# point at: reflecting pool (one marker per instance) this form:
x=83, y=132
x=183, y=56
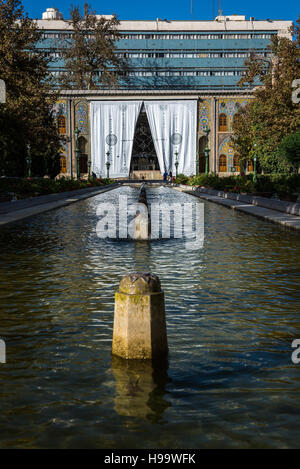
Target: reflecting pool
x=232, y=312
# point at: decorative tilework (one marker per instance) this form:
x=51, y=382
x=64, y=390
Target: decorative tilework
x=60, y=108
x=226, y=148
x=81, y=117
x=204, y=115
x=230, y=106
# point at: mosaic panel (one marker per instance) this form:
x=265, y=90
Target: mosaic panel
x=230, y=106
x=81, y=117
x=204, y=115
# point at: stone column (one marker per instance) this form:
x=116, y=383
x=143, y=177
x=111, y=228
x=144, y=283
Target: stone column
x=142, y=221
x=139, y=320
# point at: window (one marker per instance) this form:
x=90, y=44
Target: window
x=222, y=123
x=62, y=126
x=236, y=119
x=223, y=73
x=236, y=162
x=237, y=36
x=63, y=164
x=262, y=36
x=250, y=165
x=223, y=164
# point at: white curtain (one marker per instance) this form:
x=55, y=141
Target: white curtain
x=112, y=131
x=173, y=126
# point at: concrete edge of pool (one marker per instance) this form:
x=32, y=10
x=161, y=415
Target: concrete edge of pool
x=12, y=212
x=15, y=214
x=284, y=219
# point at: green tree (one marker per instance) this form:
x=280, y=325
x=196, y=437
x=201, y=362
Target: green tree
x=289, y=148
x=26, y=117
x=271, y=115
x=89, y=53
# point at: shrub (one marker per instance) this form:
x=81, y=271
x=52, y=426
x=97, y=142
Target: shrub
x=281, y=184
x=37, y=186
x=181, y=179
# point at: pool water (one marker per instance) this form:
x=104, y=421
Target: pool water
x=232, y=310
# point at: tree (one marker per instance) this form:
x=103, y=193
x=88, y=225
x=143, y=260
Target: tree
x=26, y=118
x=89, y=53
x=271, y=115
x=289, y=148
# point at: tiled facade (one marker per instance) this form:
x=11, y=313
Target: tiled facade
x=76, y=112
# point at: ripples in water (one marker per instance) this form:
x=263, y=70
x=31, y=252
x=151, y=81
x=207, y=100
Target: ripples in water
x=232, y=313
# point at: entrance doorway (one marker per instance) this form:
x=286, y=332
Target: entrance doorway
x=83, y=160
x=144, y=159
x=202, y=144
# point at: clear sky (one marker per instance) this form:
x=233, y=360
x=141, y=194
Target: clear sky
x=173, y=9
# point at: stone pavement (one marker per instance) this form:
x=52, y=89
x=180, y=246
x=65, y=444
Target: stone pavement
x=275, y=216
x=11, y=212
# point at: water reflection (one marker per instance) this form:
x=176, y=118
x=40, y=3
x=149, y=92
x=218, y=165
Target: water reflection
x=140, y=388
x=232, y=311
x=142, y=256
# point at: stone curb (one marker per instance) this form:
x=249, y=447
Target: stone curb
x=38, y=208
x=285, y=219
x=291, y=208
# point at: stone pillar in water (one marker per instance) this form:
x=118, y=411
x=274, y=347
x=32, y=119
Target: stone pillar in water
x=142, y=221
x=139, y=321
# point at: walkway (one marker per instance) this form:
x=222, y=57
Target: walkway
x=275, y=216
x=11, y=212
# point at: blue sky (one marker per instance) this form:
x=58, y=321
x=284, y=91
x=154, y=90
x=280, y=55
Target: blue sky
x=173, y=9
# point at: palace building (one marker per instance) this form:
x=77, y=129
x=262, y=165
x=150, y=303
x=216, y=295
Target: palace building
x=178, y=102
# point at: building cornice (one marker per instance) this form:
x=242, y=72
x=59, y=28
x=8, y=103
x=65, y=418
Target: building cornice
x=164, y=94
x=180, y=26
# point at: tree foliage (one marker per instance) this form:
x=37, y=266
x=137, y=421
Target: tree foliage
x=89, y=53
x=289, y=149
x=26, y=117
x=271, y=115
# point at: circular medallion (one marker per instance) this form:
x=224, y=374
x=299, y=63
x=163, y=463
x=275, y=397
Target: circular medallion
x=176, y=139
x=111, y=139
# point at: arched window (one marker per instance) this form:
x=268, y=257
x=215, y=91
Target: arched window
x=250, y=165
x=223, y=164
x=63, y=164
x=236, y=162
x=222, y=123
x=62, y=125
